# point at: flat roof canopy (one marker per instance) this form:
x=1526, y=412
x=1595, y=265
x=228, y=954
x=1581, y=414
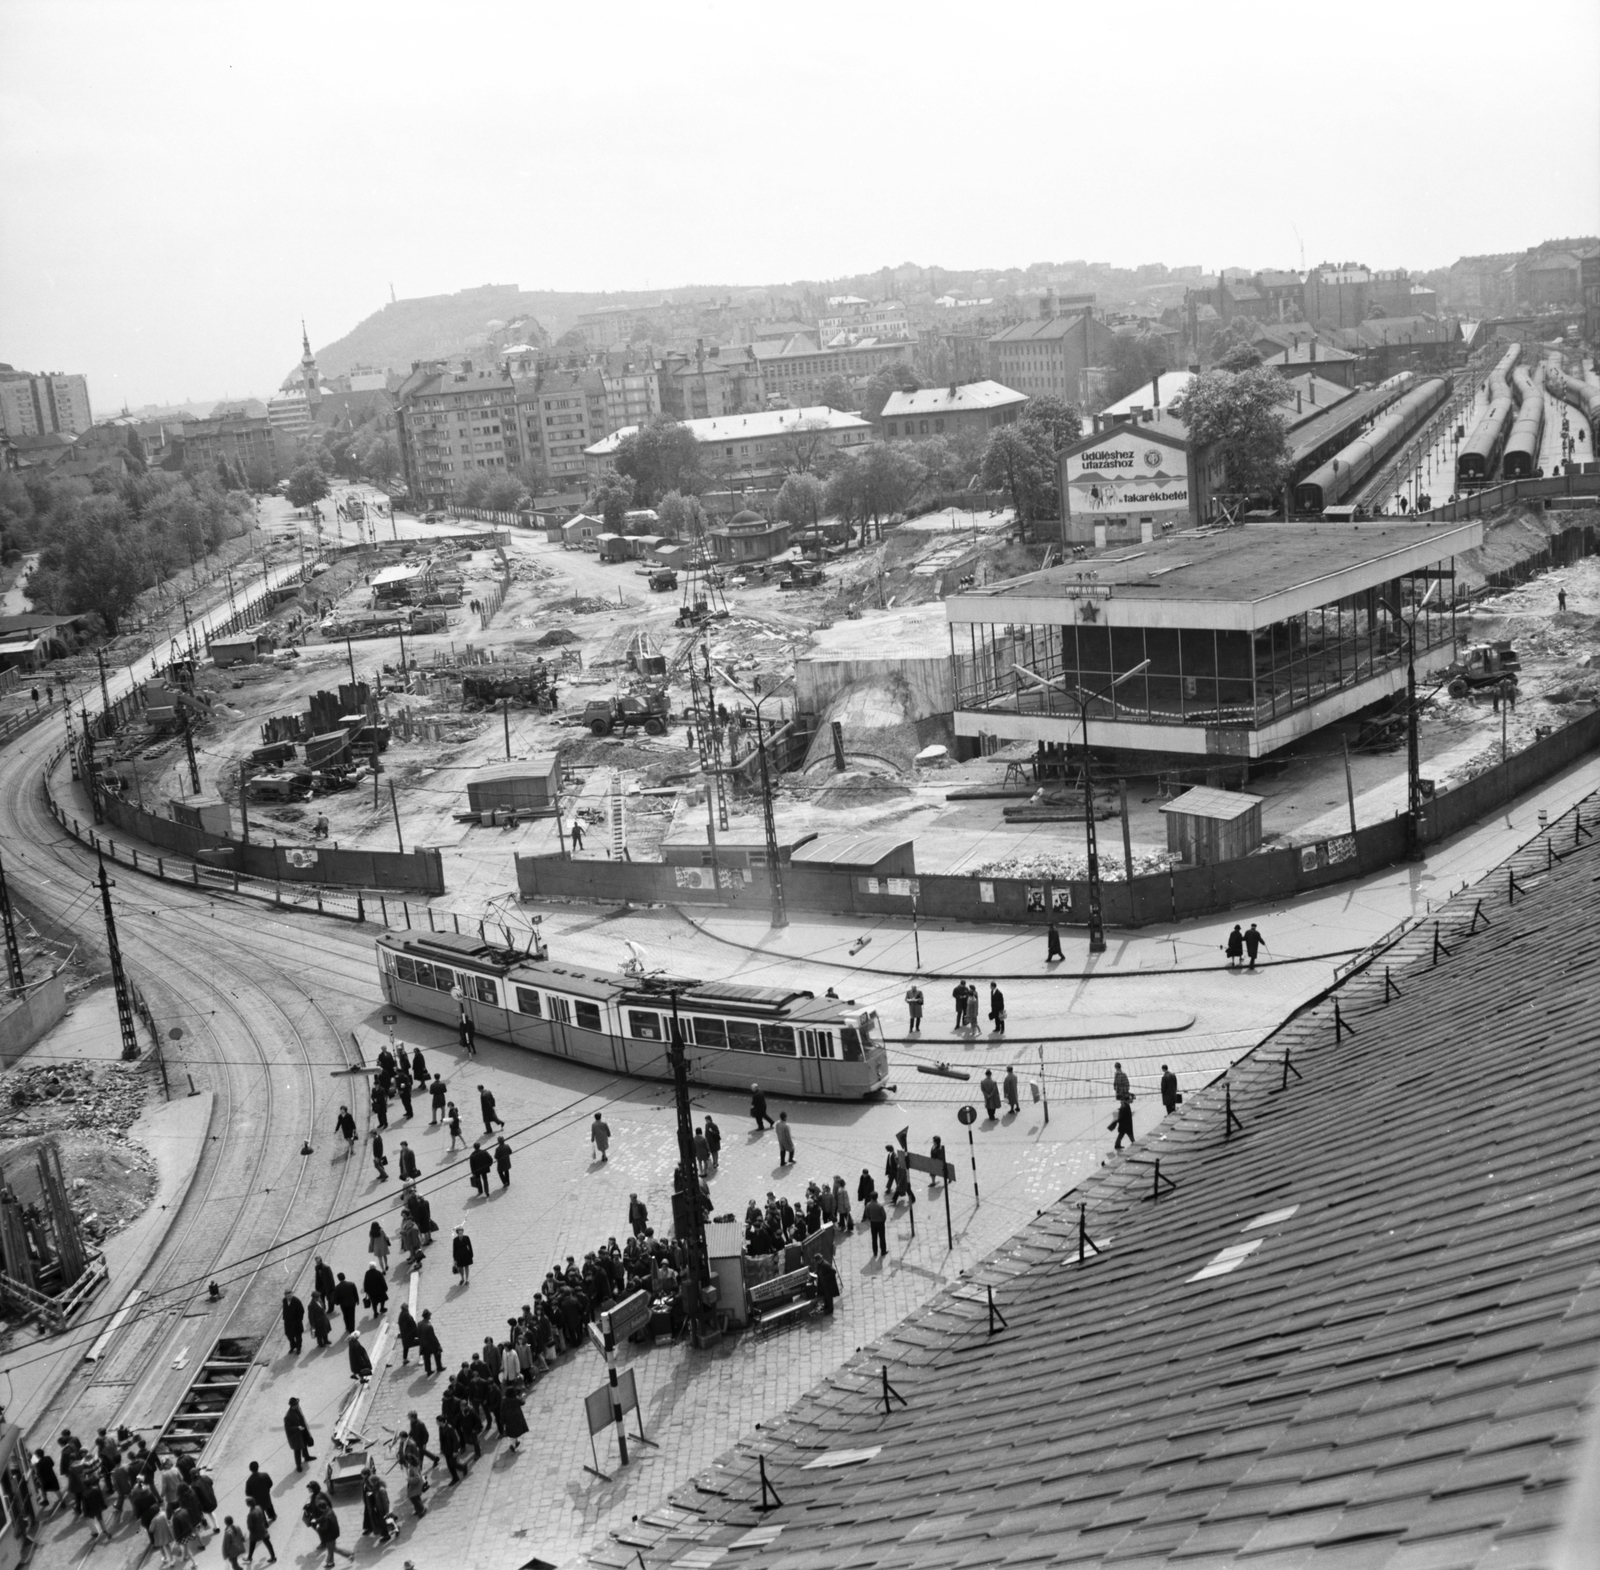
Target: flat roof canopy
x=1244, y=577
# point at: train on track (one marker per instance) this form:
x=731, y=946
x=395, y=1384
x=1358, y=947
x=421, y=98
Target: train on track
x=1583, y=396
x=788, y=1041
x=1479, y=456
x=1521, y=456
x=1353, y=465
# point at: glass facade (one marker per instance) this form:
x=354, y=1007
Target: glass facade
x=1203, y=676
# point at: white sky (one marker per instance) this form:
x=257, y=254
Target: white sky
x=180, y=183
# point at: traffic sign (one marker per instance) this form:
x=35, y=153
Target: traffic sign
x=967, y=1115
x=389, y=1019
x=932, y=1166
x=631, y=1314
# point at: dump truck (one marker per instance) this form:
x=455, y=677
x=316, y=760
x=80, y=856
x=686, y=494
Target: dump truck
x=604, y=716
x=1483, y=665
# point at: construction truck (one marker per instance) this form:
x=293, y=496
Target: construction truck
x=800, y=575
x=1483, y=665
x=488, y=689
x=606, y=716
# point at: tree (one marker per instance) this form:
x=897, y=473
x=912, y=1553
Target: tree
x=803, y=444
x=835, y=393
x=1233, y=345
x=659, y=458
x=896, y=376
x=1019, y=461
x=307, y=486
x=681, y=517
x=612, y=498
x=874, y=483
x=1134, y=358
x=801, y=500
x=1238, y=417
x=380, y=462
x=503, y=493
x=1057, y=419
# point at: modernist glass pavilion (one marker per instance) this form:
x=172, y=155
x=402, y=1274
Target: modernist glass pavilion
x=1255, y=635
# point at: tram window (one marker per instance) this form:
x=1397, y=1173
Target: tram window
x=434, y=976
x=479, y=987
x=405, y=968
x=560, y=1009
x=778, y=1039
x=709, y=1032
x=588, y=1015
x=816, y=1043
x=528, y=1001
x=744, y=1035
x=851, y=1041
x=644, y=1025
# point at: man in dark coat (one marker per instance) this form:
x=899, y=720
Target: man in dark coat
x=428, y=1345
x=479, y=1163
x=402, y=1088
x=502, y=1161
x=877, y=1218
x=827, y=1283
x=407, y=1326
x=1009, y=1084
x=490, y=1117
x=1052, y=950
x=380, y=1161
x=294, y=1321
x=758, y=1107
x=258, y=1490
x=298, y=1432
x=438, y=1095
x=409, y=1171
x=375, y=1289
x=419, y=1068
x=348, y=1297
x=991, y=1095
x=960, y=994
x=1234, y=947
x=1253, y=943
x=322, y=1279
x=1124, y=1123
x=317, y=1316
x=1169, y=1088
x=360, y=1363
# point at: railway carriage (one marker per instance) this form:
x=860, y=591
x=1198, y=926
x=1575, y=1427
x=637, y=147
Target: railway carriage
x=1479, y=455
x=1521, y=456
x=787, y=1040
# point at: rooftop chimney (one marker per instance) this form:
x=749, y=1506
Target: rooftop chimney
x=1313, y=351
x=1155, y=389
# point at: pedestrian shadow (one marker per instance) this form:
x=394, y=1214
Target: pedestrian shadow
x=456, y=1290
x=874, y=1266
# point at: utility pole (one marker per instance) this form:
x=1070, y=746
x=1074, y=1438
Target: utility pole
x=188, y=747
x=505, y=713
x=394, y=806
x=105, y=690
x=350, y=650
x=119, y=982
x=698, y=1270
x=780, y=916
x=1097, y=931
x=13, y=953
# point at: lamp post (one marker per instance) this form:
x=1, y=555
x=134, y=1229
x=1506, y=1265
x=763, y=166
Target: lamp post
x=1413, y=754
x=780, y=914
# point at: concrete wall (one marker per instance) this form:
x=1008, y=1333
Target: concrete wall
x=25, y=1020
x=817, y=681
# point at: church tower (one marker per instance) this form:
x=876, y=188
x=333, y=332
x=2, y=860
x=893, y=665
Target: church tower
x=308, y=373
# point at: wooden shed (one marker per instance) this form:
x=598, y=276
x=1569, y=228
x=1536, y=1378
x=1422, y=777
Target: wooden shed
x=244, y=648
x=884, y=855
x=531, y=785
x=1205, y=825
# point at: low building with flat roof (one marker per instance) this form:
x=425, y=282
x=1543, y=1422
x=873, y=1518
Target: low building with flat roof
x=1250, y=637
x=974, y=408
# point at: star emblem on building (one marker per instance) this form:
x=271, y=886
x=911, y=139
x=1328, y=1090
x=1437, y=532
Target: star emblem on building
x=1088, y=611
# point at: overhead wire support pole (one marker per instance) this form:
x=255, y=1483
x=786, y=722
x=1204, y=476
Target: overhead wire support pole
x=13, y=953
x=119, y=980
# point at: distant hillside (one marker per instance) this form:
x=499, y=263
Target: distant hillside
x=443, y=324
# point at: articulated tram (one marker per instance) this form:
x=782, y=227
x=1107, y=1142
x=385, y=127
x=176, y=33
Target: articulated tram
x=788, y=1041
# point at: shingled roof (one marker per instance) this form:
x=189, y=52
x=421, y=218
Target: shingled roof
x=1360, y=1330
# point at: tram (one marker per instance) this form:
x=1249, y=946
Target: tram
x=788, y=1041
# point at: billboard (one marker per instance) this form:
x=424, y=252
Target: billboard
x=1124, y=471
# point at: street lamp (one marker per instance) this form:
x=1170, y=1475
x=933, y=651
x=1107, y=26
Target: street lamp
x=1083, y=698
x=1413, y=756
x=780, y=915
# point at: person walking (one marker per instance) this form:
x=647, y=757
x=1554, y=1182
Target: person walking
x=502, y=1161
x=997, y=1008
x=402, y=1088
x=877, y=1218
x=258, y=1490
x=92, y=1504
x=428, y=1345
x=991, y=1095
x=418, y=1430
x=345, y=1123
x=479, y=1164
x=959, y=994
x=346, y=1295
x=1009, y=1084
x=461, y=1254
x=841, y=1207
x=1123, y=1123
x=467, y=1032
x=972, y=1008
x=714, y=1141
x=317, y=1318
x=294, y=1322
x=1561, y=605
x=378, y=1245
x=827, y=1282
x=438, y=1094
x=1234, y=947
x=450, y=1447
x=577, y=835
x=491, y=1119
x=936, y=1153
x=327, y=1527
x=380, y=1103
x=638, y=1215
x=258, y=1526
x=375, y=1289
x=380, y=1162
x=758, y=1107
x=513, y=1424
x=409, y=1172
x=1169, y=1089
x=419, y=1068
x=360, y=1363
x=406, y=1324
x=702, y=1153
x=298, y=1432
x=914, y=1008
x=1052, y=945
x=1120, y=1088
x=785, y=1141
x=1253, y=943
x=416, y=1486
x=455, y=1126
x=600, y=1136
x=233, y=1544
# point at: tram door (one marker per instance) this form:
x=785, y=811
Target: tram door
x=816, y=1053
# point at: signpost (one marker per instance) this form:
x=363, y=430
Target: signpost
x=967, y=1116
x=609, y=1403
x=938, y=1169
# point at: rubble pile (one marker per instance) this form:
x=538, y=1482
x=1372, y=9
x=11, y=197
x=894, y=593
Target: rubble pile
x=52, y=1098
x=1063, y=868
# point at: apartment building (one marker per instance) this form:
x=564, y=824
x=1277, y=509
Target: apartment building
x=1051, y=352
x=43, y=405
x=560, y=414
x=795, y=370
x=453, y=425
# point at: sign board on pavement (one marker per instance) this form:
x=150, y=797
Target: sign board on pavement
x=631, y=1314
x=938, y=1169
x=597, y=1404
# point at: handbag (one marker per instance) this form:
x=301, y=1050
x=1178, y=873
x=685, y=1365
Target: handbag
x=1111, y=1127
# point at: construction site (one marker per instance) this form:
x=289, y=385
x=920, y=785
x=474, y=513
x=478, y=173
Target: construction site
x=523, y=698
